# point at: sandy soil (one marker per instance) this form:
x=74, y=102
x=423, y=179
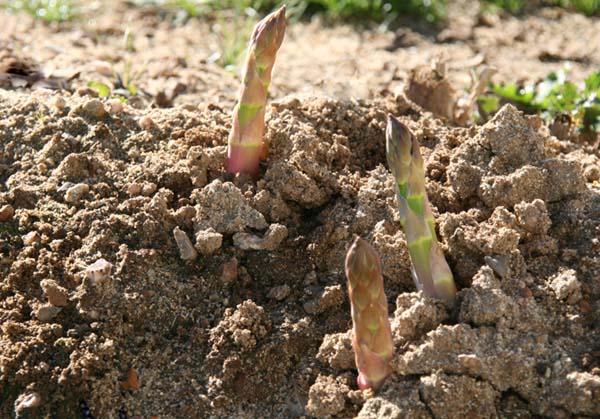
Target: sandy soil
x=140, y=280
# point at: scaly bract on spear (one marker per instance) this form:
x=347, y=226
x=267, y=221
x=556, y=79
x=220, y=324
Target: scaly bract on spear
x=372, y=334
x=245, y=148
x=430, y=270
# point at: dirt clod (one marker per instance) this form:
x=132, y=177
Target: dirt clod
x=208, y=241
x=56, y=295
x=326, y=397
x=6, y=213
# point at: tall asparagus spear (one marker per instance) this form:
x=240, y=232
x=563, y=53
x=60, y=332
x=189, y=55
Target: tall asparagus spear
x=372, y=340
x=430, y=270
x=246, y=137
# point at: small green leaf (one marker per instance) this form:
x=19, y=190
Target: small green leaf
x=488, y=103
x=102, y=89
x=592, y=83
x=132, y=89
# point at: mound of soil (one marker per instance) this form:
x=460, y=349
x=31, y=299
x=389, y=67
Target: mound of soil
x=137, y=279
x=137, y=276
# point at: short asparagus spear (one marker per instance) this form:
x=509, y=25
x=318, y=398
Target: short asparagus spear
x=372, y=337
x=430, y=270
x=246, y=137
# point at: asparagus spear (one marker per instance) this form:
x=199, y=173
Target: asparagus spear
x=430, y=270
x=372, y=337
x=246, y=137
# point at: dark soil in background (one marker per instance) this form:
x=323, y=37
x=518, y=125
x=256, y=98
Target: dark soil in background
x=257, y=324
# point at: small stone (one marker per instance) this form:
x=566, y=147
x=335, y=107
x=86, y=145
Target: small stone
x=208, y=241
x=186, y=249
x=115, y=106
x=65, y=187
x=6, y=213
x=46, y=312
x=76, y=192
x=279, y=293
x=103, y=67
x=31, y=238
x=566, y=286
x=60, y=103
x=184, y=216
x=592, y=173
x=26, y=401
x=230, y=271
x=56, y=295
x=146, y=123
x=148, y=188
x=331, y=296
x=132, y=383
x=94, y=108
x=99, y=271
x=134, y=189
x=271, y=240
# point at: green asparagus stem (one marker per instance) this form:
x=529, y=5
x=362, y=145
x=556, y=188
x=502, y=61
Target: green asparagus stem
x=430, y=270
x=246, y=137
x=372, y=337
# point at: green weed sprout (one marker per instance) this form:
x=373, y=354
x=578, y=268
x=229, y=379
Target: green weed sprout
x=246, y=137
x=430, y=270
x=372, y=337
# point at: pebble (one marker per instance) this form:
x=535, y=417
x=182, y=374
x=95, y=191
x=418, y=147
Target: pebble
x=230, y=271
x=6, y=213
x=208, y=241
x=47, y=312
x=76, y=192
x=134, y=189
x=146, y=123
x=60, y=103
x=566, y=286
x=56, y=295
x=103, y=67
x=132, y=383
x=94, y=108
x=186, y=249
x=271, y=241
x=27, y=401
x=279, y=293
x=115, y=106
x=31, y=238
x=99, y=271
x=149, y=188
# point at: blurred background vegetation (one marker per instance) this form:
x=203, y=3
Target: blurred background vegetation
x=355, y=11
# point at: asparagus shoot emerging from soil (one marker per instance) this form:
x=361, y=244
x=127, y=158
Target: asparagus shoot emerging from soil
x=246, y=137
x=372, y=337
x=430, y=270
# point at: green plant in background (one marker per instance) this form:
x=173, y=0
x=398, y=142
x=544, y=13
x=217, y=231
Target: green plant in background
x=430, y=270
x=553, y=96
x=379, y=11
x=232, y=38
x=364, y=11
x=46, y=10
x=587, y=7
x=512, y=6
x=372, y=334
x=123, y=84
